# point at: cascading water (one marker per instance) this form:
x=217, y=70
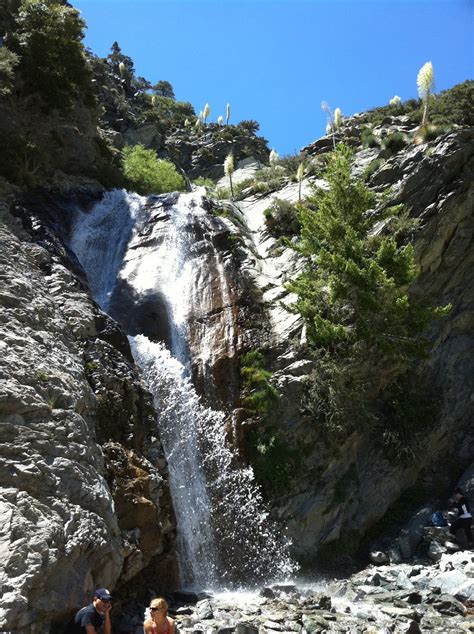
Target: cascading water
x=149, y=248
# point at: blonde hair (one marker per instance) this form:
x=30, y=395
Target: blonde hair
x=159, y=603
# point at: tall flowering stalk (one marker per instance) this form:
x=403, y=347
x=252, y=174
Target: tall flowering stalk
x=299, y=178
x=227, y=114
x=328, y=111
x=273, y=158
x=395, y=101
x=205, y=112
x=220, y=120
x=425, y=82
x=337, y=118
x=229, y=170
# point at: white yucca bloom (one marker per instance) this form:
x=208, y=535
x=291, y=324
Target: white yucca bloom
x=337, y=118
x=300, y=172
x=186, y=123
x=328, y=129
x=154, y=100
x=220, y=119
x=425, y=82
x=122, y=69
x=273, y=158
x=395, y=101
x=198, y=123
x=229, y=164
x=299, y=178
x=206, y=112
x=227, y=114
x=229, y=170
x=201, y=117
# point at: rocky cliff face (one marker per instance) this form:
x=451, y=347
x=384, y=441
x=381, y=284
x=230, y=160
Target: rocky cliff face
x=343, y=491
x=84, y=478
x=84, y=486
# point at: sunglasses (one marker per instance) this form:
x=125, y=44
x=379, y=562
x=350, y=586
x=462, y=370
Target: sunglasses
x=155, y=609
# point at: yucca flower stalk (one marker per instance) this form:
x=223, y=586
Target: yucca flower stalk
x=328, y=129
x=425, y=82
x=227, y=114
x=198, y=124
x=220, y=120
x=205, y=112
x=186, y=123
x=154, y=100
x=122, y=69
x=328, y=111
x=229, y=170
x=273, y=158
x=299, y=178
x=395, y=101
x=337, y=118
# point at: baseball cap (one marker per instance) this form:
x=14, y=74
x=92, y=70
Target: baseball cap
x=103, y=594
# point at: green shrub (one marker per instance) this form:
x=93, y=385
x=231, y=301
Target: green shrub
x=208, y=183
x=8, y=62
x=272, y=460
x=407, y=411
x=281, y=219
x=430, y=132
x=368, y=138
x=259, y=395
x=149, y=175
x=335, y=399
x=372, y=167
x=395, y=142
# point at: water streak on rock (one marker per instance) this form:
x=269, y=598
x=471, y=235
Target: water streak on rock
x=159, y=258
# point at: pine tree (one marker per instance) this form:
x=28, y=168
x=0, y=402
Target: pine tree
x=353, y=290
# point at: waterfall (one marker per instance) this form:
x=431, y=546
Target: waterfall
x=156, y=256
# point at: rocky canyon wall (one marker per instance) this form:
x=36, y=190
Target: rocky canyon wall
x=84, y=498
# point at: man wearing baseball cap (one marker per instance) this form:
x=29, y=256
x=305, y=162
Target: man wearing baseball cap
x=95, y=615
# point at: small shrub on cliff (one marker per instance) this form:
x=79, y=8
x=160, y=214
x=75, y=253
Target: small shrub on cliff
x=149, y=175
x=368, y=138
x=395, y=142
x=281, y=219
x=426, y=133
x=272, y=460
x=259, y=395
x=371, y=168
x=8, y=62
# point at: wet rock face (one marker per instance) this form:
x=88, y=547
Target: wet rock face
x=205, y=296
x=71, y=409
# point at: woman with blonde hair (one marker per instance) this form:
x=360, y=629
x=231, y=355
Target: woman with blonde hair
x=157, y=619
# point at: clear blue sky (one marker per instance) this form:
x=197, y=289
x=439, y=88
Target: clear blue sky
x=276, y=60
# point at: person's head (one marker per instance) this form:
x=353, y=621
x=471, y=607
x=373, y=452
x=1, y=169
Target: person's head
x=458, y=493
x=158, y=606
x=102, y=599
